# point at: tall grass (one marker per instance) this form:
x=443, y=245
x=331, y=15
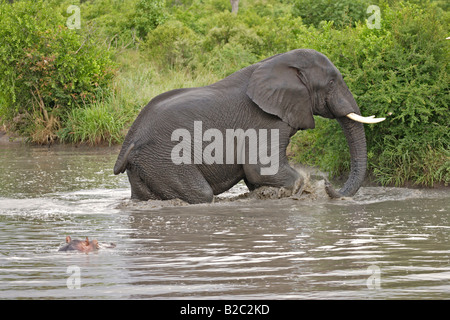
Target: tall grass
x=138, y=81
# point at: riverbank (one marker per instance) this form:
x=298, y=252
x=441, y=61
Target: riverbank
x=8, y=138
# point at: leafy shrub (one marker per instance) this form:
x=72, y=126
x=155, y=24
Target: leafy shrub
x=226, y=59
x=342, y=12
x=229, y=29
x=170, y=44
x=112, y=20
x=229, y=45
x=45, y=68
x=148, y=15
x=283, y=34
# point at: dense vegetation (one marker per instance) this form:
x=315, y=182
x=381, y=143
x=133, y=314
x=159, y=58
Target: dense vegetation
x=88, y=84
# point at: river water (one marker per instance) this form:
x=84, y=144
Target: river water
x=385, y=243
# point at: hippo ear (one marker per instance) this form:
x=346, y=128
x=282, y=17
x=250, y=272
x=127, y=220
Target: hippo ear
x=279, y=87
x=87, y=241
x=68, y=239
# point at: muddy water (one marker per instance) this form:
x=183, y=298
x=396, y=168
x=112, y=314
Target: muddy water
x=385, y=243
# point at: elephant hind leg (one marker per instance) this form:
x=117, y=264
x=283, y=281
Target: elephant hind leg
x=188, y=184
x=170, y=181
x=139, y=190
x=204, y=195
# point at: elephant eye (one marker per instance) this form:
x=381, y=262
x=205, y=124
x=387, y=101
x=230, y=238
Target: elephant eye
x=331, y=82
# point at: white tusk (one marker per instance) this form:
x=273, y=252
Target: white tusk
x=362, y=119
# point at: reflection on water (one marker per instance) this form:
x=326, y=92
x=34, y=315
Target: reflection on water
x=384, y=243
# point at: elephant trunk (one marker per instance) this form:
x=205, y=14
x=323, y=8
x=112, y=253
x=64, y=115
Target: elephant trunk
x=356, y=139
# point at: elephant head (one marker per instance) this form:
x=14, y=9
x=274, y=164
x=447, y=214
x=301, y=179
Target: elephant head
x=301, y=83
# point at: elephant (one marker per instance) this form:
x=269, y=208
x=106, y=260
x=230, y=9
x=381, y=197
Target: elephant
x=278, y=95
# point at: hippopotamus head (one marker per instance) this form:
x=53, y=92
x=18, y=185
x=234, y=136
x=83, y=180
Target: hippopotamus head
x=80, y=245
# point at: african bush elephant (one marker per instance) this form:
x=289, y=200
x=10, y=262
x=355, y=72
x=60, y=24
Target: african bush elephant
x=195, y=143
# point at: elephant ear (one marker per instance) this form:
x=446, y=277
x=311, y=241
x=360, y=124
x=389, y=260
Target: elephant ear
x=279, y=87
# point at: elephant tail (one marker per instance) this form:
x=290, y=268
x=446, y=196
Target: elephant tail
x=121, y=163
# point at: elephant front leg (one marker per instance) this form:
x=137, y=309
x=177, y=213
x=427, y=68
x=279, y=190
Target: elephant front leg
x=285, y=182
x=249, y=185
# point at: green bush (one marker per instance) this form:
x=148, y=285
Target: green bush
x=281, y=34
x=45, y=68
x=148, y=15
x=341, y=12
x=171, y=44
x=229, y=45
x=112, y=20
x=229, y=29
